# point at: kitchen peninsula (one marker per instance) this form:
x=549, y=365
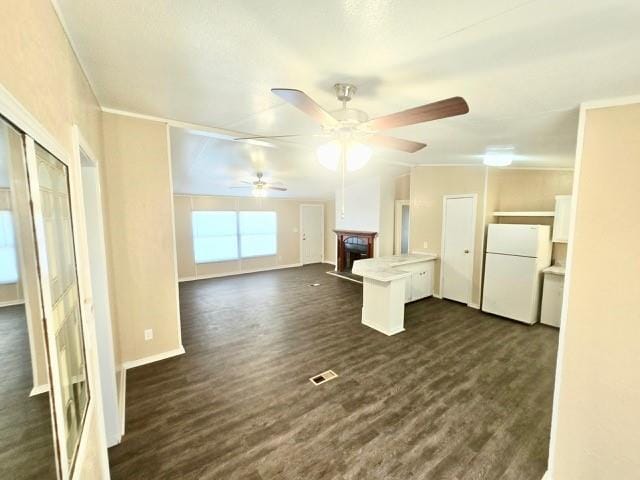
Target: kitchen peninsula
x=388, y=283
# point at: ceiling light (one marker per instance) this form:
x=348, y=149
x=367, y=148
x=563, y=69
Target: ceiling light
x=259, y=192
x=498, y=156
x=357, y=156
x=329, y=155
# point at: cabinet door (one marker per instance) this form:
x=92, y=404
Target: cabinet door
x=562, y=219
x=418, y=285
x=551, y=309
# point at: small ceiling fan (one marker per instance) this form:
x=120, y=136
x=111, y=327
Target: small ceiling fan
x=260, y=186
x=351, y=130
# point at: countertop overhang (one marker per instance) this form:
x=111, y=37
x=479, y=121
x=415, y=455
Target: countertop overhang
x=388, y=268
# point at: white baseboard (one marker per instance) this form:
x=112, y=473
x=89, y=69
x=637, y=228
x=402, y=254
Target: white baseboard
x=11, y=303
x=37, y=390
x=474, y=305
x=237, y=272
x=122, y=397
x=153, y=358
x=330, y=262
x=435, y=295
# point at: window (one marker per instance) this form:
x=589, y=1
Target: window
x=215, y=236
x=8, y=260
x=258, y=233
x=220, y=236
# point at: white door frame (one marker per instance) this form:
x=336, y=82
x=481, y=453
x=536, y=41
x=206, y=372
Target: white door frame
x=102, y=318
x=472, y=250
x=33, y=130
x=302, y=205
x=397, y=226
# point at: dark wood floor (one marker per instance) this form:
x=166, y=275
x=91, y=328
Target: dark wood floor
x=26, y=439
x=458, y=395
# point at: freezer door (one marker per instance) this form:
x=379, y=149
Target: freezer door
x=512, y=239
x=511, y=287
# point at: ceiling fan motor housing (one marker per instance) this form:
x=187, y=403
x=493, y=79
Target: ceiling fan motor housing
x=345, y=91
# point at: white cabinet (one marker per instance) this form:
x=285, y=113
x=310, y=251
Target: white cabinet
x=561, y=219
x=420, y=283
x=552, y=299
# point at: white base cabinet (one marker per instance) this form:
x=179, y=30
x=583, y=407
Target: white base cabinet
x=552, y=299
x=420, y=283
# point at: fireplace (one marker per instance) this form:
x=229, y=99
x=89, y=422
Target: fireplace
x=352, y=246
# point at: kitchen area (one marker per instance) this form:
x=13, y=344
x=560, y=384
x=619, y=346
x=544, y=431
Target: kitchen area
x=517, y=273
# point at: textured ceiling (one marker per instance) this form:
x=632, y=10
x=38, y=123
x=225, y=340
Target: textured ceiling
x=523, y=66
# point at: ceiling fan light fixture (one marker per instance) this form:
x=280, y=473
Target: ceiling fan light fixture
x=329, y=155
x=498, y=156
x=259, y=192
x=358, y=155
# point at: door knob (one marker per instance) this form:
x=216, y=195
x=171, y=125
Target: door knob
x=466, y=251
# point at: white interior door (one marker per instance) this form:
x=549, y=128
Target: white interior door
x=457, y=247
x=311, y=233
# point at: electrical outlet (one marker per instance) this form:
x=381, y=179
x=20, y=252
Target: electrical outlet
x=148, y=334
x=425, y=245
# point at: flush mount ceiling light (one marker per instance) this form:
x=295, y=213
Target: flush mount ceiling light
x=330, y=155
x=498, y=156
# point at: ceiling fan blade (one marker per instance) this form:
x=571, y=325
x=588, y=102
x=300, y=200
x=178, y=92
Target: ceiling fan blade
x=241, y=186
x=394, y=143
x=271, y=136
x=304, y=102
x=425, y=113
x=280, y=189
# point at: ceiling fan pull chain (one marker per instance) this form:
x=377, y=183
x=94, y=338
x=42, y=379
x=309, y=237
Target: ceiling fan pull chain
x=343, y=161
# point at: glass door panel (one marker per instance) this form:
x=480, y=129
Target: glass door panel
x=51, y=202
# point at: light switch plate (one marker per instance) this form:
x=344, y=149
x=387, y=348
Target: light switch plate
x=425, y=245
x=148, y=334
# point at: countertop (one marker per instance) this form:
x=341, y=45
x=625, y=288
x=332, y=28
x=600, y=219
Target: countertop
x=555, y=270
x=385, y=269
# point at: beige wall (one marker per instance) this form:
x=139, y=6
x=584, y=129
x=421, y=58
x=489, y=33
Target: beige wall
x=428, y=186
x=596, y=433
x=40, y=70
x=527, y=190
x=403, y=187
x=330, y=240
x=288, y=211
x=137, y=186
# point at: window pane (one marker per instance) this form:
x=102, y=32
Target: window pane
x=8, y=260
x=210, y=224
x=215, y=236
x=215, y=249
x=256, y=245
x=258, y=223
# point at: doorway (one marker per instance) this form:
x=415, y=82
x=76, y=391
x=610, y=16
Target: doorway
x=402, y=225
x=458, y=240
x=92, y=202
x=311, y=233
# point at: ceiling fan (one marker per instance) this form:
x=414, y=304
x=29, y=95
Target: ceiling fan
x=259, y=187
x=351, y=131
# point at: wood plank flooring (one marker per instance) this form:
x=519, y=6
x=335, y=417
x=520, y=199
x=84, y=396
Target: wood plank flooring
x=26, y=439
x=459, y=395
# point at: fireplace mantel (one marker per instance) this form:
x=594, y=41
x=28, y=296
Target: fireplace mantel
x=364, y=243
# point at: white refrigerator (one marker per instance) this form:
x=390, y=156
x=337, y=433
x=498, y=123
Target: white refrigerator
x=515, y=258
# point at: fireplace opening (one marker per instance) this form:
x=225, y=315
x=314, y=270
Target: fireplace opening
x=353, y=246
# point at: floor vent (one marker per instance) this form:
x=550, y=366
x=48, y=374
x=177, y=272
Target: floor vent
x=323, y=377
x=314, y=284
